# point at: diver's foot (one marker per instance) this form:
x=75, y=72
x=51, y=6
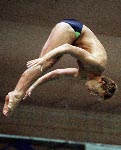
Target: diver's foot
x=11, y=102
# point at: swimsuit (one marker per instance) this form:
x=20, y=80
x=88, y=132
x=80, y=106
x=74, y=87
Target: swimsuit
x=77, y=26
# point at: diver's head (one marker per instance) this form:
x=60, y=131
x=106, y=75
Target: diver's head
x=101, y=86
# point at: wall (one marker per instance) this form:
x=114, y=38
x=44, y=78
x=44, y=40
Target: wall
x=63, y=124
x=22, y=42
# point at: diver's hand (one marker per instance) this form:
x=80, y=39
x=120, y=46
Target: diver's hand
x=28, y=93
x=34, y=63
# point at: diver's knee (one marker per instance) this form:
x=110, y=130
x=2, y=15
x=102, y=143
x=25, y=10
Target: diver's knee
x=31, y=71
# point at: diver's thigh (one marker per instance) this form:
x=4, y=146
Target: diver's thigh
x=61, y=34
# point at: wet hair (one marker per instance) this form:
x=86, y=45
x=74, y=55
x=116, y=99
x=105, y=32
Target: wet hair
x=109, y=86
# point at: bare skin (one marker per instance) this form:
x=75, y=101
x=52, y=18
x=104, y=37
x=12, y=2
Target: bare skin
x=59, y=73
x=87, y=49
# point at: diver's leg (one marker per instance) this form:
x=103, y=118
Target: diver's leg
x=30, y=75
x=62, y=33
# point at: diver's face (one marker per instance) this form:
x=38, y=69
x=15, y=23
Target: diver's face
x=95, y=88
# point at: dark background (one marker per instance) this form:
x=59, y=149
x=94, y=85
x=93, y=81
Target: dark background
x=60, y=109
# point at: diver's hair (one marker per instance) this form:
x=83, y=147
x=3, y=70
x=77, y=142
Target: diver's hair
x=109, y=87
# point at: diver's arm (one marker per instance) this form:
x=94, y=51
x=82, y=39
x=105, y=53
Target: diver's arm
x=53, y=75
x=92, y=63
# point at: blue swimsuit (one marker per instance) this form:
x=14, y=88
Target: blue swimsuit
x=77, y=26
